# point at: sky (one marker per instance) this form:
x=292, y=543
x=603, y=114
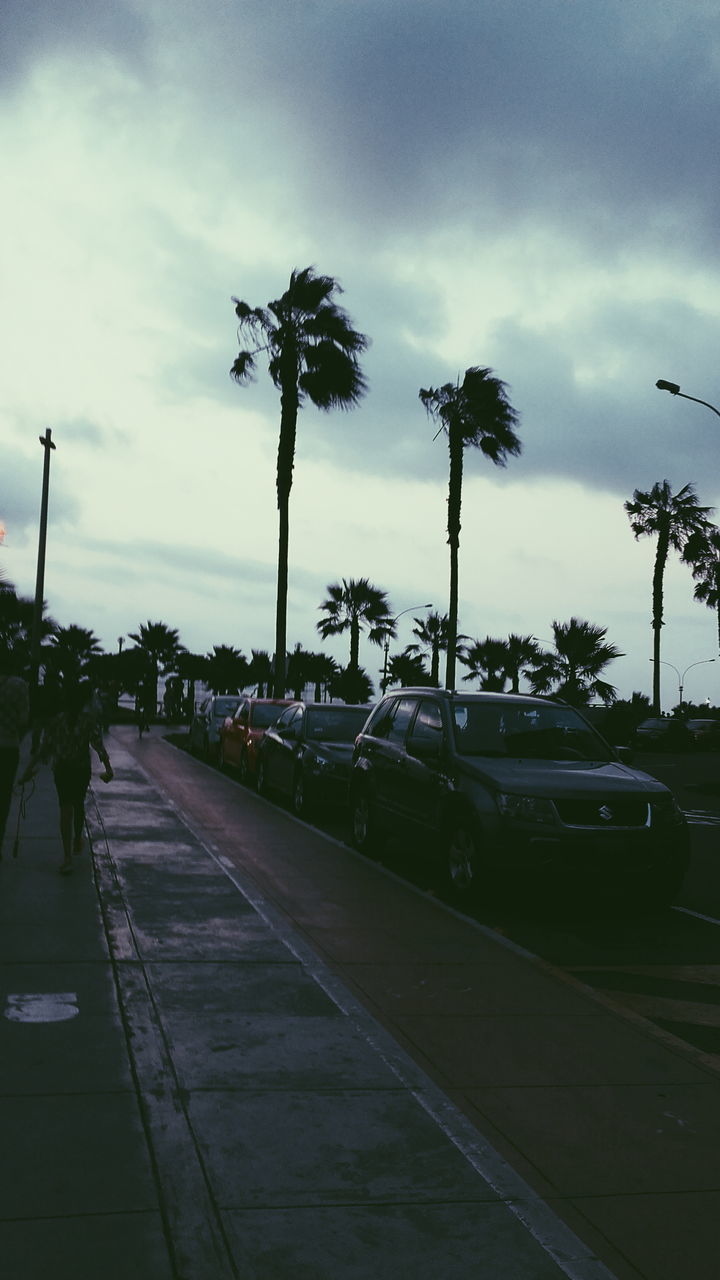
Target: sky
x=526, y=185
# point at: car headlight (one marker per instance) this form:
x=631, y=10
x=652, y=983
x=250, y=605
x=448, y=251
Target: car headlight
x=526, y=808
x=665, y=810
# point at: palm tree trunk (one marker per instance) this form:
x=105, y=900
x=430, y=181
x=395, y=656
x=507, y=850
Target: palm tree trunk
x=454, y=505
x=285, y=460
x=354, y=644
x=435, y=664
x=661, y=555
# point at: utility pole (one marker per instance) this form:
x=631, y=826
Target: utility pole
x=47, y=444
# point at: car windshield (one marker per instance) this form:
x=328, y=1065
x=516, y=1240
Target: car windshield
x=263, y=714
x=335, y=724
x=224, y=707
x=520, y=730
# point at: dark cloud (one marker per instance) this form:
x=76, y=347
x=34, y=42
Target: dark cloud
x=20, y=498
x=34, y=29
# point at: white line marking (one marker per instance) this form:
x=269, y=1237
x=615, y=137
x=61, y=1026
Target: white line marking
x=52, y=1006
x=697, y=914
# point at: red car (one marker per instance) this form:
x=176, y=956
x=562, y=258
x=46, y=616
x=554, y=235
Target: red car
x=241, y=733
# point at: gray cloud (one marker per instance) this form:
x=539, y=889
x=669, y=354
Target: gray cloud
x=33, y=29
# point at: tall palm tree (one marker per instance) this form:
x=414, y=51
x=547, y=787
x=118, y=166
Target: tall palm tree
x=313, y=352
x=574, y=670
x=473, y=412
x=355, y=605
x=673, y=518
x=702, y=553
x=486, y=660
x=161, y=647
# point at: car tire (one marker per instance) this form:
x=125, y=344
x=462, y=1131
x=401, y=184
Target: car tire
x=363, y=823
x=462, y=859
x=261, y=779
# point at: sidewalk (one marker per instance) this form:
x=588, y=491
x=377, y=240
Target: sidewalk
x=186, y=1090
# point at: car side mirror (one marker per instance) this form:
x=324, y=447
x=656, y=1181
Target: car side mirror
x=625, y=755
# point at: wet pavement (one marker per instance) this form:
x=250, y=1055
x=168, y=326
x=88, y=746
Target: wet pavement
x=240, y=1050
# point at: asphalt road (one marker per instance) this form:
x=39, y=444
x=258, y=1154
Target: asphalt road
x=664, y=965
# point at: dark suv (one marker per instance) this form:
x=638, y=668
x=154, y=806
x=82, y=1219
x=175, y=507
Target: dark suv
x=498, y=782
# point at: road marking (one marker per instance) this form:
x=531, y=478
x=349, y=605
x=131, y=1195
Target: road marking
x=54, y=1006
x=697, y=914
x=702, y=818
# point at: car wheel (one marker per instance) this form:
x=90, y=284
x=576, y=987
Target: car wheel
x=462, y=858
x=299, y=795
x=262, y=785
x=364, y=834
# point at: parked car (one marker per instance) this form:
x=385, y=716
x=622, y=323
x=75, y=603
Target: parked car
x=242, y=730
x=503, y=783
x=662, y=733
x=705, y=734
x=305, y=756
x=207, y=722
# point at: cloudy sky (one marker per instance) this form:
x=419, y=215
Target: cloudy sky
x=525, y=184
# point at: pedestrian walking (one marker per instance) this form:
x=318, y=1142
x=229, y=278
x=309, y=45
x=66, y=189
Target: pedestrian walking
x=14, y=719
x=65, y=744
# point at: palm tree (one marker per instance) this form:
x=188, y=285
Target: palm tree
x=160, y=646
x=702, y=553
x=261, y=672
x=408, y=669
x=354, y=606
x=574, y=671
x=313, y=352
x=486, y=660
x=432, y=634
x=522, y=653
x=475, y=412
x=71, y=650
x=673, y=518
x=226, y=669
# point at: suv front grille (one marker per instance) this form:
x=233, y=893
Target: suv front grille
x=615, y=811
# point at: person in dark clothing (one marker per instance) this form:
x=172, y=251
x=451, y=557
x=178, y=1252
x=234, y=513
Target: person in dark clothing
x=66, y=743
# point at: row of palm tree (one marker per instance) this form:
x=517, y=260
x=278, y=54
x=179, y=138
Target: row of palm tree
x=313, y=353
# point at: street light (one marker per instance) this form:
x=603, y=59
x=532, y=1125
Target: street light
x=681, y=678
x=674, y=390
x=384, y=681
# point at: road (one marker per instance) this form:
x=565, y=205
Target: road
x=663, y=966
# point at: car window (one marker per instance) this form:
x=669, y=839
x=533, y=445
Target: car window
x=402, y=715
x=282, y=721
x=427, y=731
x=335, y=723
x=379, y=724
x=264, y=714
x=525, y=730
x=224, y=707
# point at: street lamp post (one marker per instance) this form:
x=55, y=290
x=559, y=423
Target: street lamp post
x=384, y=682
x=681, y=678
x=47, y=444
x=674, y=390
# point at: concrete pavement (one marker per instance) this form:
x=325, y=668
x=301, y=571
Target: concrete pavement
x=189, y=1088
